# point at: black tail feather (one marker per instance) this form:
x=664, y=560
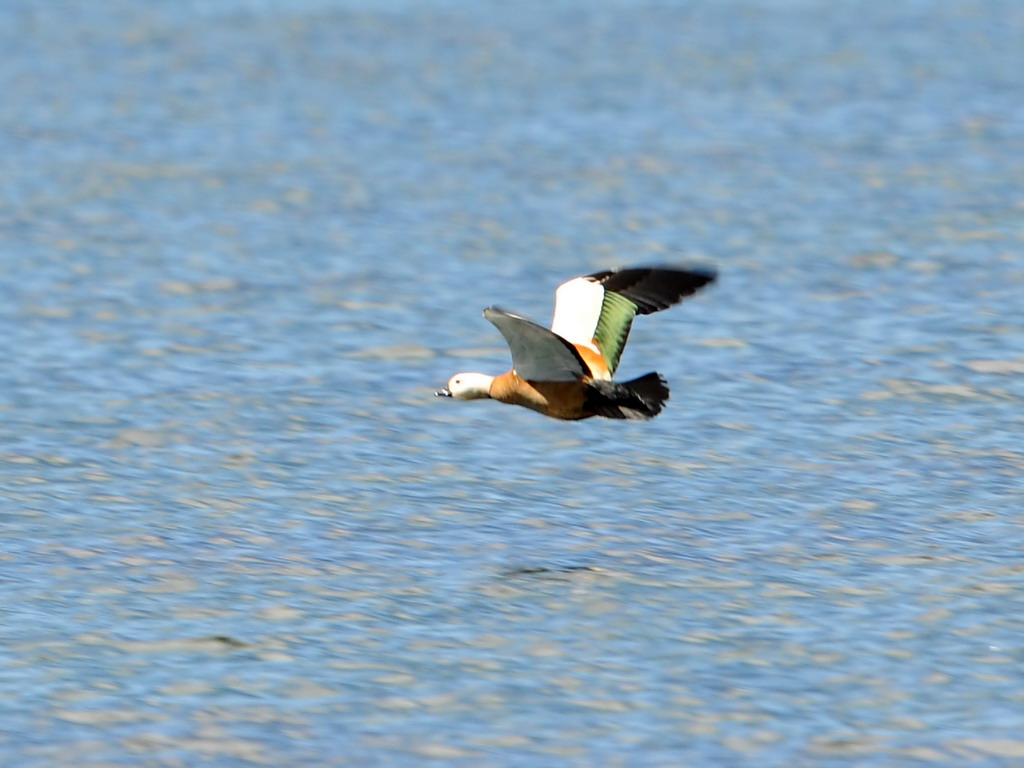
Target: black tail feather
x=639, y=399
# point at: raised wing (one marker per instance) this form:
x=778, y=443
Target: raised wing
x=537, y=353
x=597, y=311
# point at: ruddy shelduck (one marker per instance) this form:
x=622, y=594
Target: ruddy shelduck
x=566, y=372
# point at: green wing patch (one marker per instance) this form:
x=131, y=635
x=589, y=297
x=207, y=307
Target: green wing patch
x=617, y=313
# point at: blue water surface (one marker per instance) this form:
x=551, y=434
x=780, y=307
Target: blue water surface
x=243, y=242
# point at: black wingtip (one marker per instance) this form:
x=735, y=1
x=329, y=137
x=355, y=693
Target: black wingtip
x=655, y=288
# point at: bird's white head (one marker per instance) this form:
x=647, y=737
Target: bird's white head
x=467, y=386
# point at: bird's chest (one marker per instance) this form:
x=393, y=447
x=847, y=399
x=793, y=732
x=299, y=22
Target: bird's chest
x=558, y=399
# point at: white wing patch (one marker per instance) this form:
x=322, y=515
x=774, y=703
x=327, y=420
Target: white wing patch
x=577, y=309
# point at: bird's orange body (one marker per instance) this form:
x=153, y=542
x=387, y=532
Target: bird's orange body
x=558, y=399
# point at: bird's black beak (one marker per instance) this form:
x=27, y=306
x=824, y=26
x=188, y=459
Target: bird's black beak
x=443, y=393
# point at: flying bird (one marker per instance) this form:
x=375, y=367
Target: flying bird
x=566, y=372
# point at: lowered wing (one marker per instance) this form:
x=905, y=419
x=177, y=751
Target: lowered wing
x=537, y=353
